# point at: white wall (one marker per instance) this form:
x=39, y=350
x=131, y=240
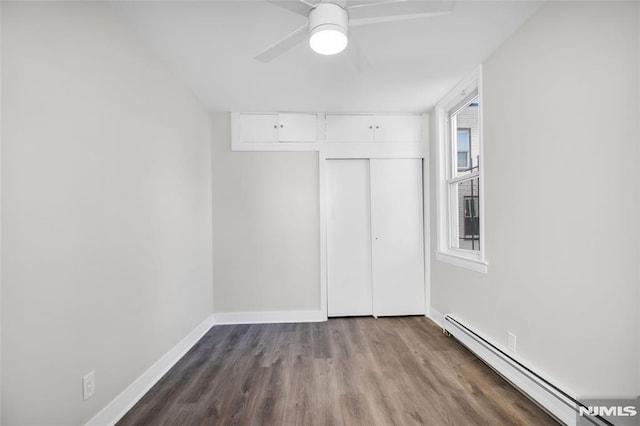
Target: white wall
x=561, y=151
x=0, y=215
x=106, y=209
x=265, y=228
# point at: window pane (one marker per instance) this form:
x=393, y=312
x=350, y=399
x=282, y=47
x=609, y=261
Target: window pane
x=463, y=159
x=463, y=140
x=465, y=203
x=462, y=143
x=467, y=138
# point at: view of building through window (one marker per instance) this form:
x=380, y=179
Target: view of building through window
x=466, y=190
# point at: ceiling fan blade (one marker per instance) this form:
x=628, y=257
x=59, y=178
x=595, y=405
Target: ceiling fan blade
x=282, y=45
x=299, y=7
x=381, y=19
x=341, y=3
x=367, y=3
x=393, y=8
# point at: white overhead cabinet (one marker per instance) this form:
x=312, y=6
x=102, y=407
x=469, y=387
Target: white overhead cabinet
x=349, y=128
x=375, y=251
x=335, y=135
x=403, y=128
x=276, y=128
x=259, y=128
x=398, y=128
x=298, y=127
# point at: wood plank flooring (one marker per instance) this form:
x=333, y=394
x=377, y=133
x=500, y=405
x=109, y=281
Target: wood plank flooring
x=351, y=371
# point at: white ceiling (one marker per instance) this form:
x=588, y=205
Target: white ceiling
x=409, y=65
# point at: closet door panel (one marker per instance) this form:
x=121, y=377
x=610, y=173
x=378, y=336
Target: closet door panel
x=348, y=238
x=397, y=237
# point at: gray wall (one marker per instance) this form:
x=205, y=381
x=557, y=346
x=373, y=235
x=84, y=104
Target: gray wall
x=561, y=151
x=266, y=238
x=106, y=209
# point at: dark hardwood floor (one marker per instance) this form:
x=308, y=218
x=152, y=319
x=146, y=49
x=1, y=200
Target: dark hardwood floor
x=352, y=371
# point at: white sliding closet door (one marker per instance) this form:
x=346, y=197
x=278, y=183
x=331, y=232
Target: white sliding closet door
x=375, y=252
x=397, y=231
x=348, y=238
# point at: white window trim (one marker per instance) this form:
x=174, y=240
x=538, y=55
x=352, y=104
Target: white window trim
x=472, y=260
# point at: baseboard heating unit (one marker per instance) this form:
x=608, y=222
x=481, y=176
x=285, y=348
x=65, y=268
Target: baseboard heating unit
x=558, y=403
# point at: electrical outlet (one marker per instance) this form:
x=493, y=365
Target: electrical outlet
x=511, y=343
x=88, y=385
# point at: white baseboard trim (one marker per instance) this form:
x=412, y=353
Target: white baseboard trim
x=122, y=403
x=551, y=398
x=268, y=317
x=435, y=316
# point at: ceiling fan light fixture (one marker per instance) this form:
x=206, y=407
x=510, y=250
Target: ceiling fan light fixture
x=328, y=41
x=328, y=29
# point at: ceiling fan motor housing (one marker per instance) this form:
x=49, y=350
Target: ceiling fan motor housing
x=328, y=16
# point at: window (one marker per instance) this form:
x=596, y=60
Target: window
x=460, y=177
x=463, y=139
x=471, y=228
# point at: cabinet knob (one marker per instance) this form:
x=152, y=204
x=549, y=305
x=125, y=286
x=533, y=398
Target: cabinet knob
x=275, y=126
x=281, y=126
x=377, y=127
x=371, y=127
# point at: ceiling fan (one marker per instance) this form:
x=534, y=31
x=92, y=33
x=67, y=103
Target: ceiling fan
x=328, y=21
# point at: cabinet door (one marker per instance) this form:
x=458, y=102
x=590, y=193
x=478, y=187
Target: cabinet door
x=397, y=234
x=258, y=127
x=298, y=127
x=398, y=128
x=348, y=128
x=348, y=238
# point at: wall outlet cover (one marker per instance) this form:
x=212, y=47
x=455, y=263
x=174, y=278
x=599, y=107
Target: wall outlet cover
x=88, y=385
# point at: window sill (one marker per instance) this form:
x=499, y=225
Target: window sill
x=463, y=261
